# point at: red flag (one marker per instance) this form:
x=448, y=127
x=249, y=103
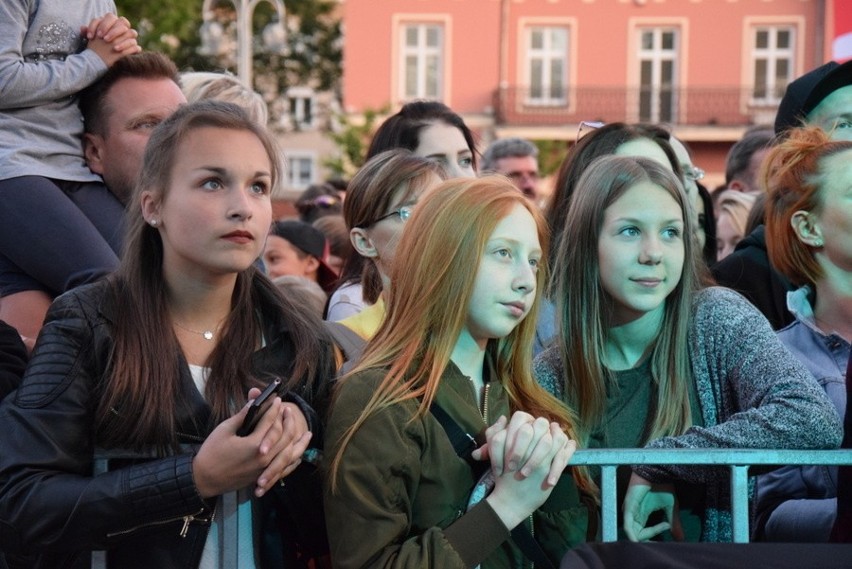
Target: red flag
x=841, y=46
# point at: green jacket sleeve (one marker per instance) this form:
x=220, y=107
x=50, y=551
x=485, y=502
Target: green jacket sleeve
x=399, y=496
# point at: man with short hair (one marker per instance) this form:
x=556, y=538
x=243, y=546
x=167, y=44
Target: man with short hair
x=517, y=159
x=119, y=112
x=745, y=157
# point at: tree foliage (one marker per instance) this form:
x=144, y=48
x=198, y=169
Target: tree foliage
x=353, y=140
x=314, y=48
x=168, y=26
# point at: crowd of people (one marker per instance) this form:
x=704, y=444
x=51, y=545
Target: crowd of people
x=401, y=376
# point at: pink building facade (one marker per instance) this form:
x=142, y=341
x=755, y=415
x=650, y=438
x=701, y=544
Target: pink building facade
x=537, y=68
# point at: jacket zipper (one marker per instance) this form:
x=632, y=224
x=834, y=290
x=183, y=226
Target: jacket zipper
x=485, y=404
x=184, y=529
x=192, y=517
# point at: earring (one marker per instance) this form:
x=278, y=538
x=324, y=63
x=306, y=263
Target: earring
x=153, y=223
x=818, y=243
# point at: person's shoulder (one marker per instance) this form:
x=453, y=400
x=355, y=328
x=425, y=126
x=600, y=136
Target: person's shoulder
x=548, y=361
x=90, y=299
x=357, y=388
x=722, y=309
x=548, y=370
x=720, y=298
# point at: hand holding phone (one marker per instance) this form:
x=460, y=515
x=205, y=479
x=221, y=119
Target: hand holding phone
x=257, y=408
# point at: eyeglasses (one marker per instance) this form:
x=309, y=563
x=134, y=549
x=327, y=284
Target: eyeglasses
x=586, y=127
x=693, y=173
x=322, y=201
x=403, y=211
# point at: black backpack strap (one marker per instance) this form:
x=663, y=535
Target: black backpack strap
x=530, y=547
x=464, y=444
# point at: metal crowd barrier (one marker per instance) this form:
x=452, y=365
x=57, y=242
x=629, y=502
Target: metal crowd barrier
x=738, y=460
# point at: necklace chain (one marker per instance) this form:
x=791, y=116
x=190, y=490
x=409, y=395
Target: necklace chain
x=206, y=334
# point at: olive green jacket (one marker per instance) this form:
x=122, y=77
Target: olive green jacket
x=402, y=491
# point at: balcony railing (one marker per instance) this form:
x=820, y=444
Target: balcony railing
x=694, y=106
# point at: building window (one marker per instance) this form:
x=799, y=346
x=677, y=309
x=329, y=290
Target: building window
x=547, y=62
x=422, y=61
x=301, y=107
x=658, y=69
x=300, y=171
x=772, y=55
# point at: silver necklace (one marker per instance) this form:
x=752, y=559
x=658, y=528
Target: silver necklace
x=206, y=334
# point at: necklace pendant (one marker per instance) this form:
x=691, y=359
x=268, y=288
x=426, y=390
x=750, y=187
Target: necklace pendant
x=208, y=335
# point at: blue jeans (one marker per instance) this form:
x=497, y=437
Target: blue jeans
x=56, y=235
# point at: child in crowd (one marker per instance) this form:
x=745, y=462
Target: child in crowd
x=646, y=358
x=155, y=364
x=614, y=138
x=456, y=343
x=297, y=248
x=59, y=225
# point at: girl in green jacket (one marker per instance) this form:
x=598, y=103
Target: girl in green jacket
x=458, y=333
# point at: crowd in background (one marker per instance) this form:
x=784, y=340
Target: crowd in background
x=434, y=336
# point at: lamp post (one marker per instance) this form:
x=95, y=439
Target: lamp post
x=212, y=34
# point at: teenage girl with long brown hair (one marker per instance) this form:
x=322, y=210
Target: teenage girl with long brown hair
x=647, y=358
x=158, y=361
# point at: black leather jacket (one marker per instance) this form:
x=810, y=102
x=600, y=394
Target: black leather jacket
x=145, y=512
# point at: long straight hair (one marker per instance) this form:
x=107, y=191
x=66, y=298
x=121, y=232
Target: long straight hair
x=428, y=305
x=141, y=390
x=583, y=307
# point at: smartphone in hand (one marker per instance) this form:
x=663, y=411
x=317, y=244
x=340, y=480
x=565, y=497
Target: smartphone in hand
x=258, y=408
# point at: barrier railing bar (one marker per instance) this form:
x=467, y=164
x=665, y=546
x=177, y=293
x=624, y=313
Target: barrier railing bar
x=738, y=460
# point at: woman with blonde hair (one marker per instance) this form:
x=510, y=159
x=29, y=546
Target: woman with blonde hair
x=457, y=335
x=203, y=85
x=809, y=237
x=645, y=358
x=732, y=215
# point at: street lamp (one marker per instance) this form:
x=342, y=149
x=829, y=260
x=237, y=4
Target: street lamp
x=213, y=34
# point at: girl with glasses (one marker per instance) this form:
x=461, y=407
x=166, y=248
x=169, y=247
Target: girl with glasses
x=379, y=201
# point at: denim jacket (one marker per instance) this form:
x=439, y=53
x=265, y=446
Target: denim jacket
x=800, y=503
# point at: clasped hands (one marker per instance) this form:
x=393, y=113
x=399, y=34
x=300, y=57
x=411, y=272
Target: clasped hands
x=527, y=456
x=227, y=462
x=111, y=38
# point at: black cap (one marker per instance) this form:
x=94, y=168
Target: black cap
x=312, y=241
x=808, y=91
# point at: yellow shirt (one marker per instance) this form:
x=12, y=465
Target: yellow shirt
x=366, y=323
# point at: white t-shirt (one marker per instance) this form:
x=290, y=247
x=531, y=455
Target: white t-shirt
x=232, y=517
x=346, y=301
